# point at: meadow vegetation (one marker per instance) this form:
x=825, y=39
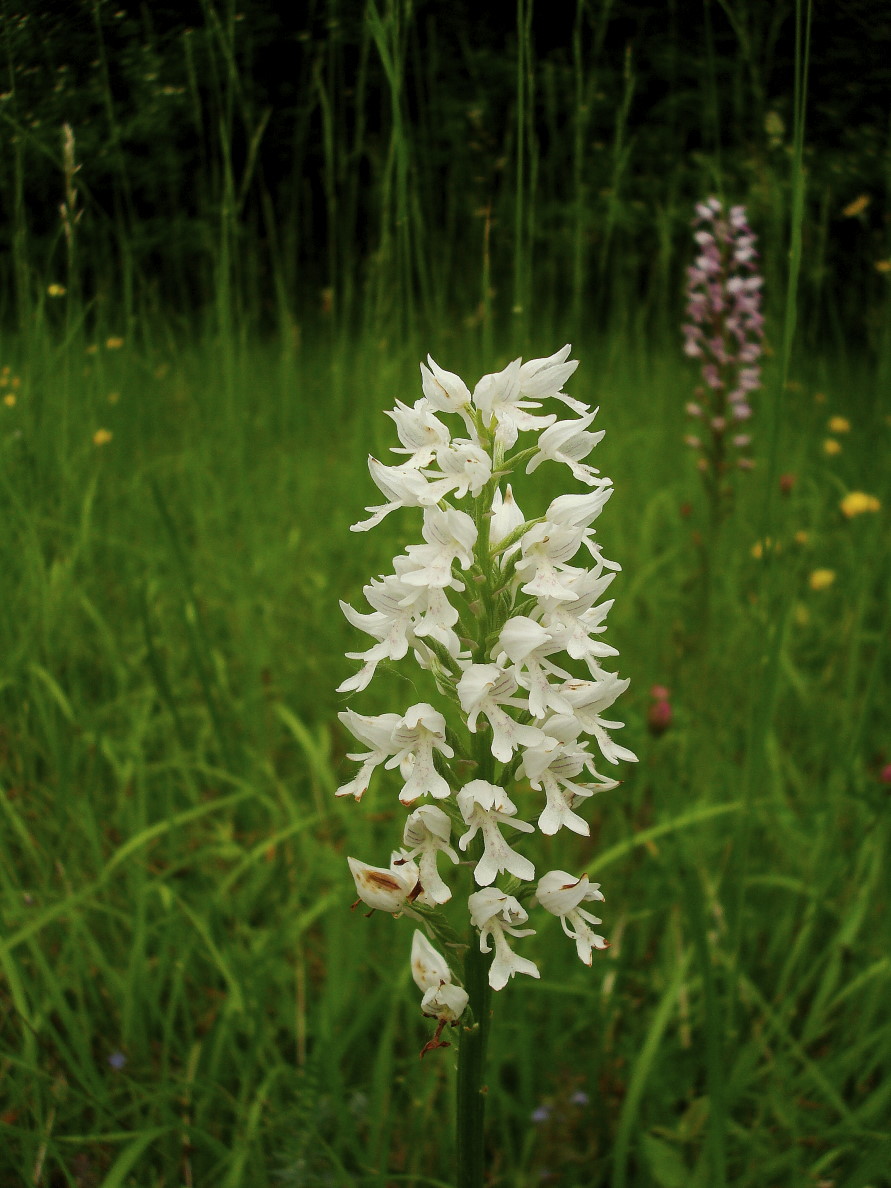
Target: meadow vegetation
x=185, y=996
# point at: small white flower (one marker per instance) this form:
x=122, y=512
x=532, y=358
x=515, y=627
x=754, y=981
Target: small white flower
x=588, y=699
x=420, y=432
x=494, y=913
x=574, y=623
x=553, y=767
x=544, y=378
x=390, y=623
x=450, y=537
x=421, y=730
x=385, y=890
x=466, y=466
x=427, y=833
x=527, y=645
x=579, y=511
x=546, y=549
x=561, y=894
x=498, y=397
x=567, y=442
x=446, y=1002
x=402, y=486
x=446, y=391
x=485, y=806
x=377, y=732
x=483, y=689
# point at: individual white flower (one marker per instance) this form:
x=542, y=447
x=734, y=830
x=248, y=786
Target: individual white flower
x=420, y=731
x=485, y=806
x=446, y=391
x=498, y=398
x=483, y=689
x=506, y=518
x=419, y=430
x=588, y=700
x=561, y=894
x=572, y=624
x=392, y=890
x=401, y=486
x=568, y=442
x=543, y=567
x=542, y=379
x=450, y=537
x=579, y=511
x=552, y=767
x=390, y=623
x=495, y=913
x=377, y=732
x=466, y=466
x=429, y=612
x=446, y=1002
x=427, y=833
x=527, y=645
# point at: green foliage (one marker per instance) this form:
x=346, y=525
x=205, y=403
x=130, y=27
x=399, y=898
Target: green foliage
x=173, y=876
x=388, y=165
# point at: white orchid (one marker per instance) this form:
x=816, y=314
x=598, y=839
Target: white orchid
x=494, y=913
x=561, y=894
x=427, y=833
x=507, y=615
x=484, y=689
x=386, y=889
x=484, y=807
x=415, y=737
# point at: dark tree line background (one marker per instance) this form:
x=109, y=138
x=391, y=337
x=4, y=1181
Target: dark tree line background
x=355, y=161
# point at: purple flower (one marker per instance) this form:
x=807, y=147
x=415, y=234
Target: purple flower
x=117, y=1060
x=723, y=329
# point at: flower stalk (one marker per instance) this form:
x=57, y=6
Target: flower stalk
x=508, y=627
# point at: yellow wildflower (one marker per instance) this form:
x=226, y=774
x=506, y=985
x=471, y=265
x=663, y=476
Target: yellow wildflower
x=821, y=579
x=839, y=425
x=113, y=397
x=55, y=290
x=113, y=343
x=760, y=547
x=801, y=615
x=91, y=349
x=9, y=400
x=831, y=447
x=857, y=502
x=858, y=206
x=802, y=537
x=883, y=265
x=102, y=437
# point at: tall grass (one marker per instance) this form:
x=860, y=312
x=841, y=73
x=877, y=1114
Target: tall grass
x=187, y=998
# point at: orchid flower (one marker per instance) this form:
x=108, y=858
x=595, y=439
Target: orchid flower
x=504, y=616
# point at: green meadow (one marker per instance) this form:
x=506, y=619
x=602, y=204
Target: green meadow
x=186, y=997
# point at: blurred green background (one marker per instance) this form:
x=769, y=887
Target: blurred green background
x=228, y=236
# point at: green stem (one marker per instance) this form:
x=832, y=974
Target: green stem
x=471, y=1069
